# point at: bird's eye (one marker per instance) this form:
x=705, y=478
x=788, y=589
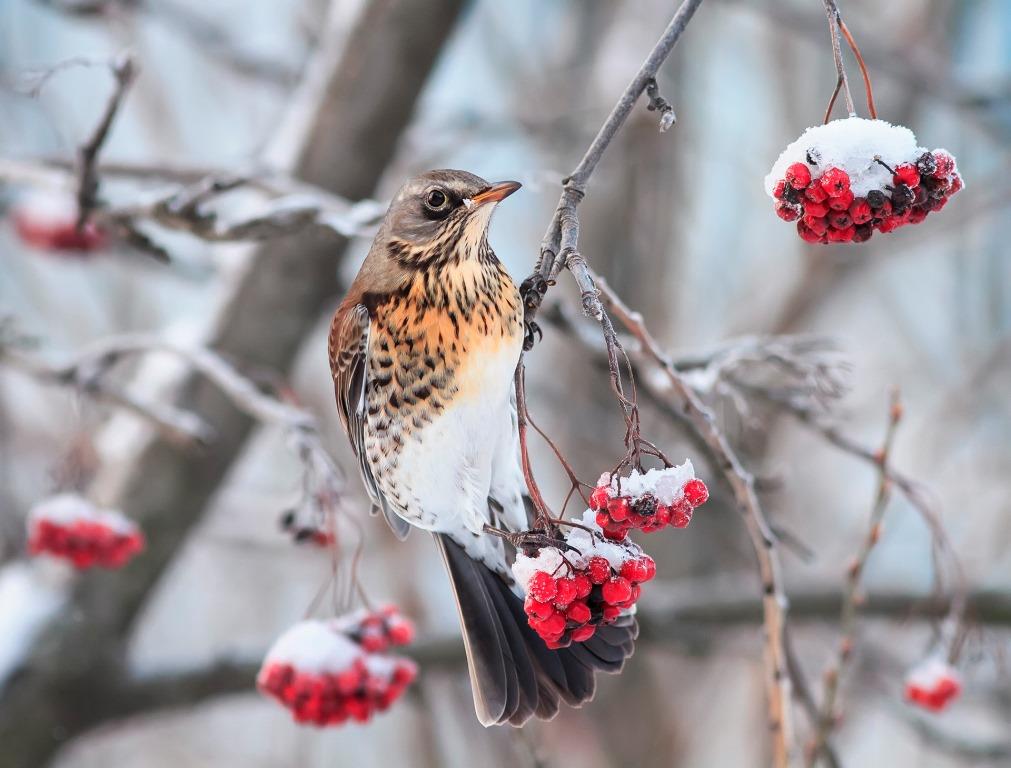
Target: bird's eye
x=436, y=199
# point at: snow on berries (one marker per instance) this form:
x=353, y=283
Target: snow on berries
x=325, y=678
x=48, y=221
x=377, y=631
x=71, y=528
x=933, y=685
x=843, y=180
x=591, y=582
x=648, y=501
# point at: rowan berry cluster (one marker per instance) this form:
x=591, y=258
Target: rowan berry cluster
x=591, y=582
x=48, y=221
x=648, y=502
x=845, y=180
x=325, y=678
x=933, y=685
x=71, y=528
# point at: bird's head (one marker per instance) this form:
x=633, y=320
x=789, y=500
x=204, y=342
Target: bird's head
x=438, y=211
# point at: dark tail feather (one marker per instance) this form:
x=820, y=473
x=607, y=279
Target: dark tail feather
x=514, y=674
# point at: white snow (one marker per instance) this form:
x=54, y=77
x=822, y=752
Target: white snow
x=665, y=484
x=850, y=144
x=68, y=508
x=32, y=593
x=930, y=672
x=586, y=544
x=314, y=646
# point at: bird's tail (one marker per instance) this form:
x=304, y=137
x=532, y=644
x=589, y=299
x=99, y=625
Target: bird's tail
x=513, y=673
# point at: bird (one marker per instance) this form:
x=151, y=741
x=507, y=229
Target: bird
x=423, y=351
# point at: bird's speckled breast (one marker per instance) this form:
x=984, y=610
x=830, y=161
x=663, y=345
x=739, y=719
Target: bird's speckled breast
x=452, y=338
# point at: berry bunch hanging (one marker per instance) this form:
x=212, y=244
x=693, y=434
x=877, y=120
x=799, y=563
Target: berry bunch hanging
x=377, y=631
x=325, y=678
x=588, y=582
x=648, y=501
x=842, y=181
x=71, y=528
x=933, y=685
x=48, y=221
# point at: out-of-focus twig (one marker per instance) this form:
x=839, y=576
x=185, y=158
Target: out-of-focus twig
x=124, y=72
x=851, y=600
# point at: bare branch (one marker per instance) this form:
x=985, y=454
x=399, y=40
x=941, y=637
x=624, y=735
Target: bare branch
x=124, y=71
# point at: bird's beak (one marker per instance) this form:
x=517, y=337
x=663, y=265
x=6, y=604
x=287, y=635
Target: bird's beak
x=496, y=192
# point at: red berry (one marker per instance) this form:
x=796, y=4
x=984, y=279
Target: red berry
x=945, y=164
x=554, y=624
x=598, y=569
x=798, y=176
x=610, y=612
x=841, y=202
x=681, y=514
x=956, y=184
x=542, y=587
x=806, y=233
x=917, y=215
x=787, y=211
x=618, y=509
x=840, y=220
x=579, y=613
x=889, y=224
x=616, y=590
x=582, y=634
x=603, y=519
x=615, y=532
x=816, y=210
x=816, y=224
x=582, y=584
x=835, y=181
x=860, y=211
x=566, y=592
x=599, y=498
x=536, y=609
x=633, y=570
x=649, y=566
x=696, y=492
x=863, y=233
x=906, y=174
x=816, y=194
x=842, y=235
x=779, y=189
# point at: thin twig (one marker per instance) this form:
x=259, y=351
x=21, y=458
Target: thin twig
x=871, y=109
x=124, y=72
x=851, y=598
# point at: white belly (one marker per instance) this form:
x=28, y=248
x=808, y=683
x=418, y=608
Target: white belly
x=446, y=466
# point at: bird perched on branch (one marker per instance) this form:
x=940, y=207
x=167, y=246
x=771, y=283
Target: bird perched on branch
x=423, y=352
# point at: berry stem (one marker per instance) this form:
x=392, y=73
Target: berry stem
x=834, y=22
x=871, y=109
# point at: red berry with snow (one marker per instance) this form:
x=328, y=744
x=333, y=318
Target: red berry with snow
x=907, y=174
x=71, y=528
x=598, y=570
x=681, y=514
x=788, y=211
x=325, y=679
x=616, y=590
x=48, y=221
x=599, y=498
x=798, y=176
x=933, y=685
x=835, y=182
x=617, y=509
x=696, y=492
x=869, y=170
x=565, y=592
x=542, y=587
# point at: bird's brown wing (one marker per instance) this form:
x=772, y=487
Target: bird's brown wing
x=348, y=350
